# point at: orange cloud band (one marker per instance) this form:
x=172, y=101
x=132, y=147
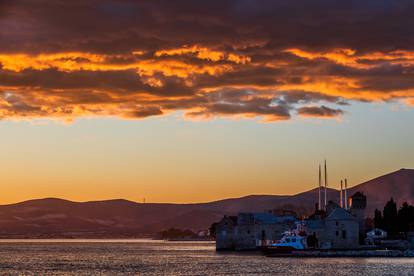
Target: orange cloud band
x=204, y=82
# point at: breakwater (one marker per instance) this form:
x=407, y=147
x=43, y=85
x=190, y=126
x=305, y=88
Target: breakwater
x=347, y=253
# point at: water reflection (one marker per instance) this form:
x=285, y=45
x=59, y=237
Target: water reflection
x=147, y=257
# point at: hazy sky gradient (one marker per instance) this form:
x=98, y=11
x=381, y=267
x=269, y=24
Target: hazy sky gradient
x=172, y=160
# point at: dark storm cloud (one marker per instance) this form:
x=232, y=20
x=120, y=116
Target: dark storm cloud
x=246, y=58
x=295, y=97
x=118, y=26
x=319, y=111
x=144, y=112
x=54, y=79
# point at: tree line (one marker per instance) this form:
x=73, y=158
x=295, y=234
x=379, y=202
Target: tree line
x=397, y=222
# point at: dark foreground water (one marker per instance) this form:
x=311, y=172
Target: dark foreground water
x=77, y=257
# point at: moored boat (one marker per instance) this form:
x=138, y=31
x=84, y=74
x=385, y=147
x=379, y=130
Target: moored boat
x=288, y=244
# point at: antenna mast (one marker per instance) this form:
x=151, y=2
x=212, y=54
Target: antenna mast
x=346, y=194
x=319, y=189
x=326, y=184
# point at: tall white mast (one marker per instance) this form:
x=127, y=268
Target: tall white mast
x=326, y=184
x=341, y=199
x=346, y=194
x=319, y=189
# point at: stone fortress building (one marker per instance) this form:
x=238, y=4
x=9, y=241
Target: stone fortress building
x=335, y=226
x=339, y=227
x=247, y=231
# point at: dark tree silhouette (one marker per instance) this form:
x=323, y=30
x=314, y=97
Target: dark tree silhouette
x=212, y=229
x=396, y=222
x=378, y=220
x=405, y=217
x=390, y=218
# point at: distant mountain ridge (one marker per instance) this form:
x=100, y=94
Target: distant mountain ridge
x=52, y=217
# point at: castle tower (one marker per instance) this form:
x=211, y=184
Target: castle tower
x=357, y=205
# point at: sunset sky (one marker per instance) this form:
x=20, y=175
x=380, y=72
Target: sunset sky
x=193, y=101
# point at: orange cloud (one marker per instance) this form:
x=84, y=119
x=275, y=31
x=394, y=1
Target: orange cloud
x=350, y=57
x=195, y=79
x=179, y=69
x=75, y=61
x=204, y=53
x=64, y=61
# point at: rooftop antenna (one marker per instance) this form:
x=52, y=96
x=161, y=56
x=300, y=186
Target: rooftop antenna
x=143, y=200
x=319, y=189
x=326, y=184
x=341, y=199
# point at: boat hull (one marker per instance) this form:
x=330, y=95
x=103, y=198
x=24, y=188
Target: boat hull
x=274, y=250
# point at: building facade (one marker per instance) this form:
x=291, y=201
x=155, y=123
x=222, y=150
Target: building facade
x=248, y=231
x=333, y=227
x=339, y=228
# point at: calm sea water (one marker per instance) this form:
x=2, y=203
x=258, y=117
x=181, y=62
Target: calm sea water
x=144, y=257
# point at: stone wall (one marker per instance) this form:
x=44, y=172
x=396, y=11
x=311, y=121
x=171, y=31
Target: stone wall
x=248, y=236
x=225, y=231
x=341, y=233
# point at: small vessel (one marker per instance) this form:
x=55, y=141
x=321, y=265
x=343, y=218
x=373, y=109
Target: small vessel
x=289, y=242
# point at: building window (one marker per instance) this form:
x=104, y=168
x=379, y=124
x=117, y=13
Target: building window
x=337, y=223
x=343, y=234
x=248, y=231
x=337, y=233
